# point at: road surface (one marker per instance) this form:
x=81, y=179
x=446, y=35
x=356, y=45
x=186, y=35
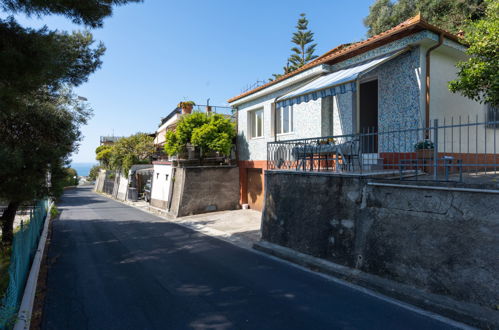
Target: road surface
x=112, y=266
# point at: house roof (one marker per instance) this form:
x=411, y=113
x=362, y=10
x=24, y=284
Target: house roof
x=171, y=114
x=412, y=25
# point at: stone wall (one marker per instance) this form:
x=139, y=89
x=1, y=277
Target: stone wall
x=204, y=189
x=444, y=242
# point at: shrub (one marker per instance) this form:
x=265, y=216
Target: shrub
x=54, y=212
x=211, y=132
x=94, y=172
x=425, y=144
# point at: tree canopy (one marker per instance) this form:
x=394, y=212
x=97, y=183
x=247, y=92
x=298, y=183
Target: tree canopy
x=450, y=15
x=211, y=132
x=87, y=12
x=40, y=116
x=36, y=139
x=478, y=77
x=127, y=151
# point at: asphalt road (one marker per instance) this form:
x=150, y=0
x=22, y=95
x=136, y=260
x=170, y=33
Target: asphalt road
x=115, y=267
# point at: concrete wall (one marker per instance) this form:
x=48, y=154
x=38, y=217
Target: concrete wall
x=121, y=192
x=204, y=189
x=161, y=183
x=99, y=182
x=440, y=241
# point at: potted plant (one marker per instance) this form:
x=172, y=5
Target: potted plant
x=424, y=149
x=327, y=141
x=186, y=106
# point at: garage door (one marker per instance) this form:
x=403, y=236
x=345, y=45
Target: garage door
x=255, y=188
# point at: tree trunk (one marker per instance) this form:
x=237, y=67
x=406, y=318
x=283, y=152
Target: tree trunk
x=7, y=221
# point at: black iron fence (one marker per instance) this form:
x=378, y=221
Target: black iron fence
x=445, y=151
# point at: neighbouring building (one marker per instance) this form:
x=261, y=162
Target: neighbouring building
x=109, y=140
x=191, y=186
x=377, y=84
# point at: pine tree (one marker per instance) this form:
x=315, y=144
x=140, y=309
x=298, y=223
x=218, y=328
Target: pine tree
x=304, y=50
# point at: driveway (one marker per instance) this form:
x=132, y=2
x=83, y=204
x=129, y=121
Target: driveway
x=112, y=266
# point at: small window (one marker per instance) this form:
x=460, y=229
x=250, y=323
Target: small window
x=166, y=177
x=256, y=123
x=492, y=116
x=284, y=120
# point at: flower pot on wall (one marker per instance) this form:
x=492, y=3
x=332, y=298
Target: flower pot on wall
x=187, y=110
x=186, y=107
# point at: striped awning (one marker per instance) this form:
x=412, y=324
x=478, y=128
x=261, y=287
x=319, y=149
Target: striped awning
x=338, y=82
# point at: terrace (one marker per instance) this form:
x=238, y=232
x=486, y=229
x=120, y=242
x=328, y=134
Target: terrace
x=455, y=150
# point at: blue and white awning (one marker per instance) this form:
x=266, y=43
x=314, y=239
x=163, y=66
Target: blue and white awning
x=338, y=82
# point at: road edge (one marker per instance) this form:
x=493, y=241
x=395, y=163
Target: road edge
x=26, y=309
x=470, y=314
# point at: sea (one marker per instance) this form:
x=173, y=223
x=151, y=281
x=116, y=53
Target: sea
x=83, y=169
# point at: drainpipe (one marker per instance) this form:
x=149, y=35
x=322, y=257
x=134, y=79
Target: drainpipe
x=427, y=103
x=273, y=112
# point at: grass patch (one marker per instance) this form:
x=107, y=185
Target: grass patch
x=54, y=212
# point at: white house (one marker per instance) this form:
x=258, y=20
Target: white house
x=395, y=80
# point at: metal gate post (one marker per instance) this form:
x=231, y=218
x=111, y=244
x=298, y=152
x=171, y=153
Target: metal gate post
x=435, y=149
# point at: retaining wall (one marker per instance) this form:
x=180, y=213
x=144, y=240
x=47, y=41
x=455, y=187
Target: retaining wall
x=444, y=242
x=203, y=189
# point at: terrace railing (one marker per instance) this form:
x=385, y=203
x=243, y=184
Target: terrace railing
x=445, y=151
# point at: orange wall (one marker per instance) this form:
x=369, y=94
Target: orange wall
x=243, y=176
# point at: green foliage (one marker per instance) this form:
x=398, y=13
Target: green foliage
x=42, y=61
x=54, y=212
x=40, y=117
x=172, y=144
x=70, y=178
x=215, y=135
x=38, y=138
x=103, y=154
x=178, y=139
x=135, y=149
x=304, y=50
x=449, y=15
x=424, y=144
x=211, y=132
x=478, y=77
x=88, y=12
x=94, y=172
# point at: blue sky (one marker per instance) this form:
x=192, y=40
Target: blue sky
x=162, y=52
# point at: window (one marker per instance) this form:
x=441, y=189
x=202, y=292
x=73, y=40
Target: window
x=284, y=120
x=492, y=116
x=256, y=123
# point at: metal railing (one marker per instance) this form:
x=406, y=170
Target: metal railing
x=223, y=110
x=24, y=247
x=445, y=151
